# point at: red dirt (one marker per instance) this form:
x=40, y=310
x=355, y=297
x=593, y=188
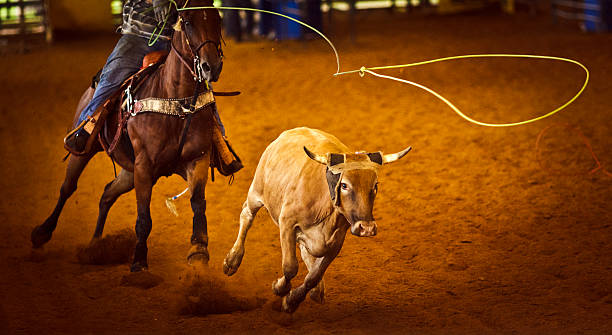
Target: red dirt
x=474, y=236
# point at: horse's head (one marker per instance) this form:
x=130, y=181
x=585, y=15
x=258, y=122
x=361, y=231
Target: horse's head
x=198, y=39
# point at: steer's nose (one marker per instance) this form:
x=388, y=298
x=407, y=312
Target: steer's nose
x=364, y=228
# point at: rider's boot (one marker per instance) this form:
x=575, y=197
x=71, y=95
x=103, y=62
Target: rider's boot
x=76, y=140
x=224, y=158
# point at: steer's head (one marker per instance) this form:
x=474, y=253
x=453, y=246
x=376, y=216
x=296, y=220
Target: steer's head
x=353, y=183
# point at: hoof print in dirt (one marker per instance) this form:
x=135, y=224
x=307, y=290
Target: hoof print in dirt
x=143, y=279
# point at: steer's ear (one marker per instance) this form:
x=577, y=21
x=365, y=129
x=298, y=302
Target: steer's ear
x=316, y=157
x=375, y=157
x=390, y=158
x=335, y=159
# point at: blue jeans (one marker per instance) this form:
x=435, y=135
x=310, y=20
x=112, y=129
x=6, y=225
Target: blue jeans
x=125, y=60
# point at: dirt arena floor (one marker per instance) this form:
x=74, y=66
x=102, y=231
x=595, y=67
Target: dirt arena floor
x=475, y=235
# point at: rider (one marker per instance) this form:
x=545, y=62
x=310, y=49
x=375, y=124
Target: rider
x=140, y=19
x=141, y=22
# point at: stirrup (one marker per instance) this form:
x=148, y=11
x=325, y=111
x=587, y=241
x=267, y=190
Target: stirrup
x=89, y=126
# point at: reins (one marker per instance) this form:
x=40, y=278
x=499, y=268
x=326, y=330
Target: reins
x=188, y=118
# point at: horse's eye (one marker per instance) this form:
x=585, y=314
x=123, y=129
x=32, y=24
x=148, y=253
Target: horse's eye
x=344, y=186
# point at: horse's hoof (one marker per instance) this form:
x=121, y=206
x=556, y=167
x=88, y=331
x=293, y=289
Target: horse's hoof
x=39, y=237
x=138, y=266
x=198, y=254
x=232, y=262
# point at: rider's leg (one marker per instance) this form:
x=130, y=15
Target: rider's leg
x=218, y=118
x=226, y=161
x=125, y=60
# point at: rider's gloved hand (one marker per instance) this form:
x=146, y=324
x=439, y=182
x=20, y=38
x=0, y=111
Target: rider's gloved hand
x=162, y=9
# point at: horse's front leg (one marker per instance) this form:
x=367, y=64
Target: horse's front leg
x=41, y=234
x=196, y=178
x=143, y=183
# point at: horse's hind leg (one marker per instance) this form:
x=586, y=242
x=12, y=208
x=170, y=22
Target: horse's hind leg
x=196, y=178
x=42, y=233
x=113, y=190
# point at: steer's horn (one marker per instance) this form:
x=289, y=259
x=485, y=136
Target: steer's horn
x=390, y=158
x=315, y=157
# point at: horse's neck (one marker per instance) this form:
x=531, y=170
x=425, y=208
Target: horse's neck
x=172, y=80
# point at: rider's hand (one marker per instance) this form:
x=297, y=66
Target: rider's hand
x=162, y=9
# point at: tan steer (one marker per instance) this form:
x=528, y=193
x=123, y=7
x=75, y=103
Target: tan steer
x=314, y=197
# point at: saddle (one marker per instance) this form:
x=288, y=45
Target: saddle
x=223, y=157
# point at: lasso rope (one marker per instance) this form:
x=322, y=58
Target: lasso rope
x=363, y=70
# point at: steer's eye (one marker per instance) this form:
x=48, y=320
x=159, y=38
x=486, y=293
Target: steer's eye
x=344, y=186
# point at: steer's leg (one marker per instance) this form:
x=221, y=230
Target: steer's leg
x=234, y=257
x=296, y=296
x=318, y=292
x=282, y=285
x=113, y=190
x=143, y=182
x=196, y=178
x=42, y=234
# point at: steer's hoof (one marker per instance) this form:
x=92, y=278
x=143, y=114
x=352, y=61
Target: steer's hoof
x=281, y=287
x=317, y=295
x=39, y=237
x=198, y=254
x=139, y=266
x=232, y=262
x=287, y=306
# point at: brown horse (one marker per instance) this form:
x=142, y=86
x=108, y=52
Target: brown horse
x=153, y=147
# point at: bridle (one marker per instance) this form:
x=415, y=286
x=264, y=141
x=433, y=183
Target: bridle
x=197, y=69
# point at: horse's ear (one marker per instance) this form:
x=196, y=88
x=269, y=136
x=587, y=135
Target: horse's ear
x=177, y=25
